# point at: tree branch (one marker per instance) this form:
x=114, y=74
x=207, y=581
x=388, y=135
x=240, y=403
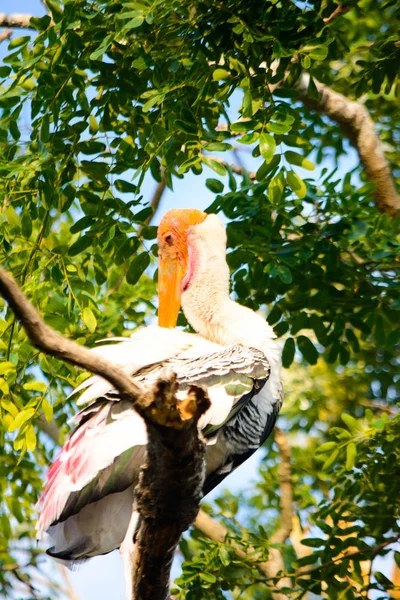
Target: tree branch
x=168, y=494
x=285, y=487
x=51, y=429
x=19, y=20
x=339, y=10
x=218, y=533
x=47, y=340
x=355, y=120
x=271, y=568
x=170, y=485
x=5, y=34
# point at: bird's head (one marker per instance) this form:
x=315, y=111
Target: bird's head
x=174, y=261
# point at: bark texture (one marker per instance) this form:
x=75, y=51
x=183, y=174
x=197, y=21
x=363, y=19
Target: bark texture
x=168, y=495
x=16, y=20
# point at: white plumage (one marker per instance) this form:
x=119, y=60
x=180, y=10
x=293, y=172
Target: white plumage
x=87, y=503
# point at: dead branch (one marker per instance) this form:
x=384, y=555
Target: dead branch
x=19, y=20
x=355, y=120
x=170, y=485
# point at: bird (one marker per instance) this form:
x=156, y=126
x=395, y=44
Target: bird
x=86, y=504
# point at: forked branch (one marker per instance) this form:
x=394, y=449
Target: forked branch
x=170, y=486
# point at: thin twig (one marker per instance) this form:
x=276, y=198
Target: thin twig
x=339, y=10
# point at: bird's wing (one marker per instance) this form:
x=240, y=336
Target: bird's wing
x=148, y=345
x=108, y=443
x=105, y=452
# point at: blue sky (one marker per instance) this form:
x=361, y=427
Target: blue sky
x=102, y=578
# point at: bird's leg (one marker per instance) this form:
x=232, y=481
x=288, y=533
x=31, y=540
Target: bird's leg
x=126, y=550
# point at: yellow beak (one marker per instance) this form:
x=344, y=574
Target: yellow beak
x=170, y=273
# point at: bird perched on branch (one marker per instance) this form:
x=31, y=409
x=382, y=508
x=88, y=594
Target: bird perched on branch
x=86, y=506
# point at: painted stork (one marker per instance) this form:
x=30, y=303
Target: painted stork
x=86, y=506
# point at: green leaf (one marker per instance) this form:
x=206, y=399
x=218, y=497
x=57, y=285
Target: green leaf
x=89, y=319
x=217, y=146
x=351, y=454
x=319, y=52
x=186, y=127
x=35, y=386
x=45, y=129
x=19, y=41
x=243, y=125
x=93, y=125
x=6, y=367
x=214, y=185
x=278, y=128
x=383, y=580
x=288, y=352
x=154, y=100
x=82, y=224
x=30, y=437
x=327, y=447
x=249, y=138
x=330, y=460
x=80, y=245
x=307, y=349
x=105, y=44
x=26, y=225
x=267, y=146
x=296, y=184
x=220, y=74
x=21, y=418
x=4, y=386
x=208, y=577
x=214, y=165
x=300, y=161
x=134, y=23
x=125, y=187
x=138, y=265
x=47, y=409
x=351, y=423
x=5, y=71
x=275, y=188
x=285, y=274
x=313, y=542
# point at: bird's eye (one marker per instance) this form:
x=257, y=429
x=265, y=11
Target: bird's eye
x=169, y=239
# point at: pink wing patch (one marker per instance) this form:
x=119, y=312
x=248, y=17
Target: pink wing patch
x=92, y=447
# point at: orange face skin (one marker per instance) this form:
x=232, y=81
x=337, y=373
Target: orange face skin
x=173, y=261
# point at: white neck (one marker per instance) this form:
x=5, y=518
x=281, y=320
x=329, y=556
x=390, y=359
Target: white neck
x=206, y=301
x=209, y=309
